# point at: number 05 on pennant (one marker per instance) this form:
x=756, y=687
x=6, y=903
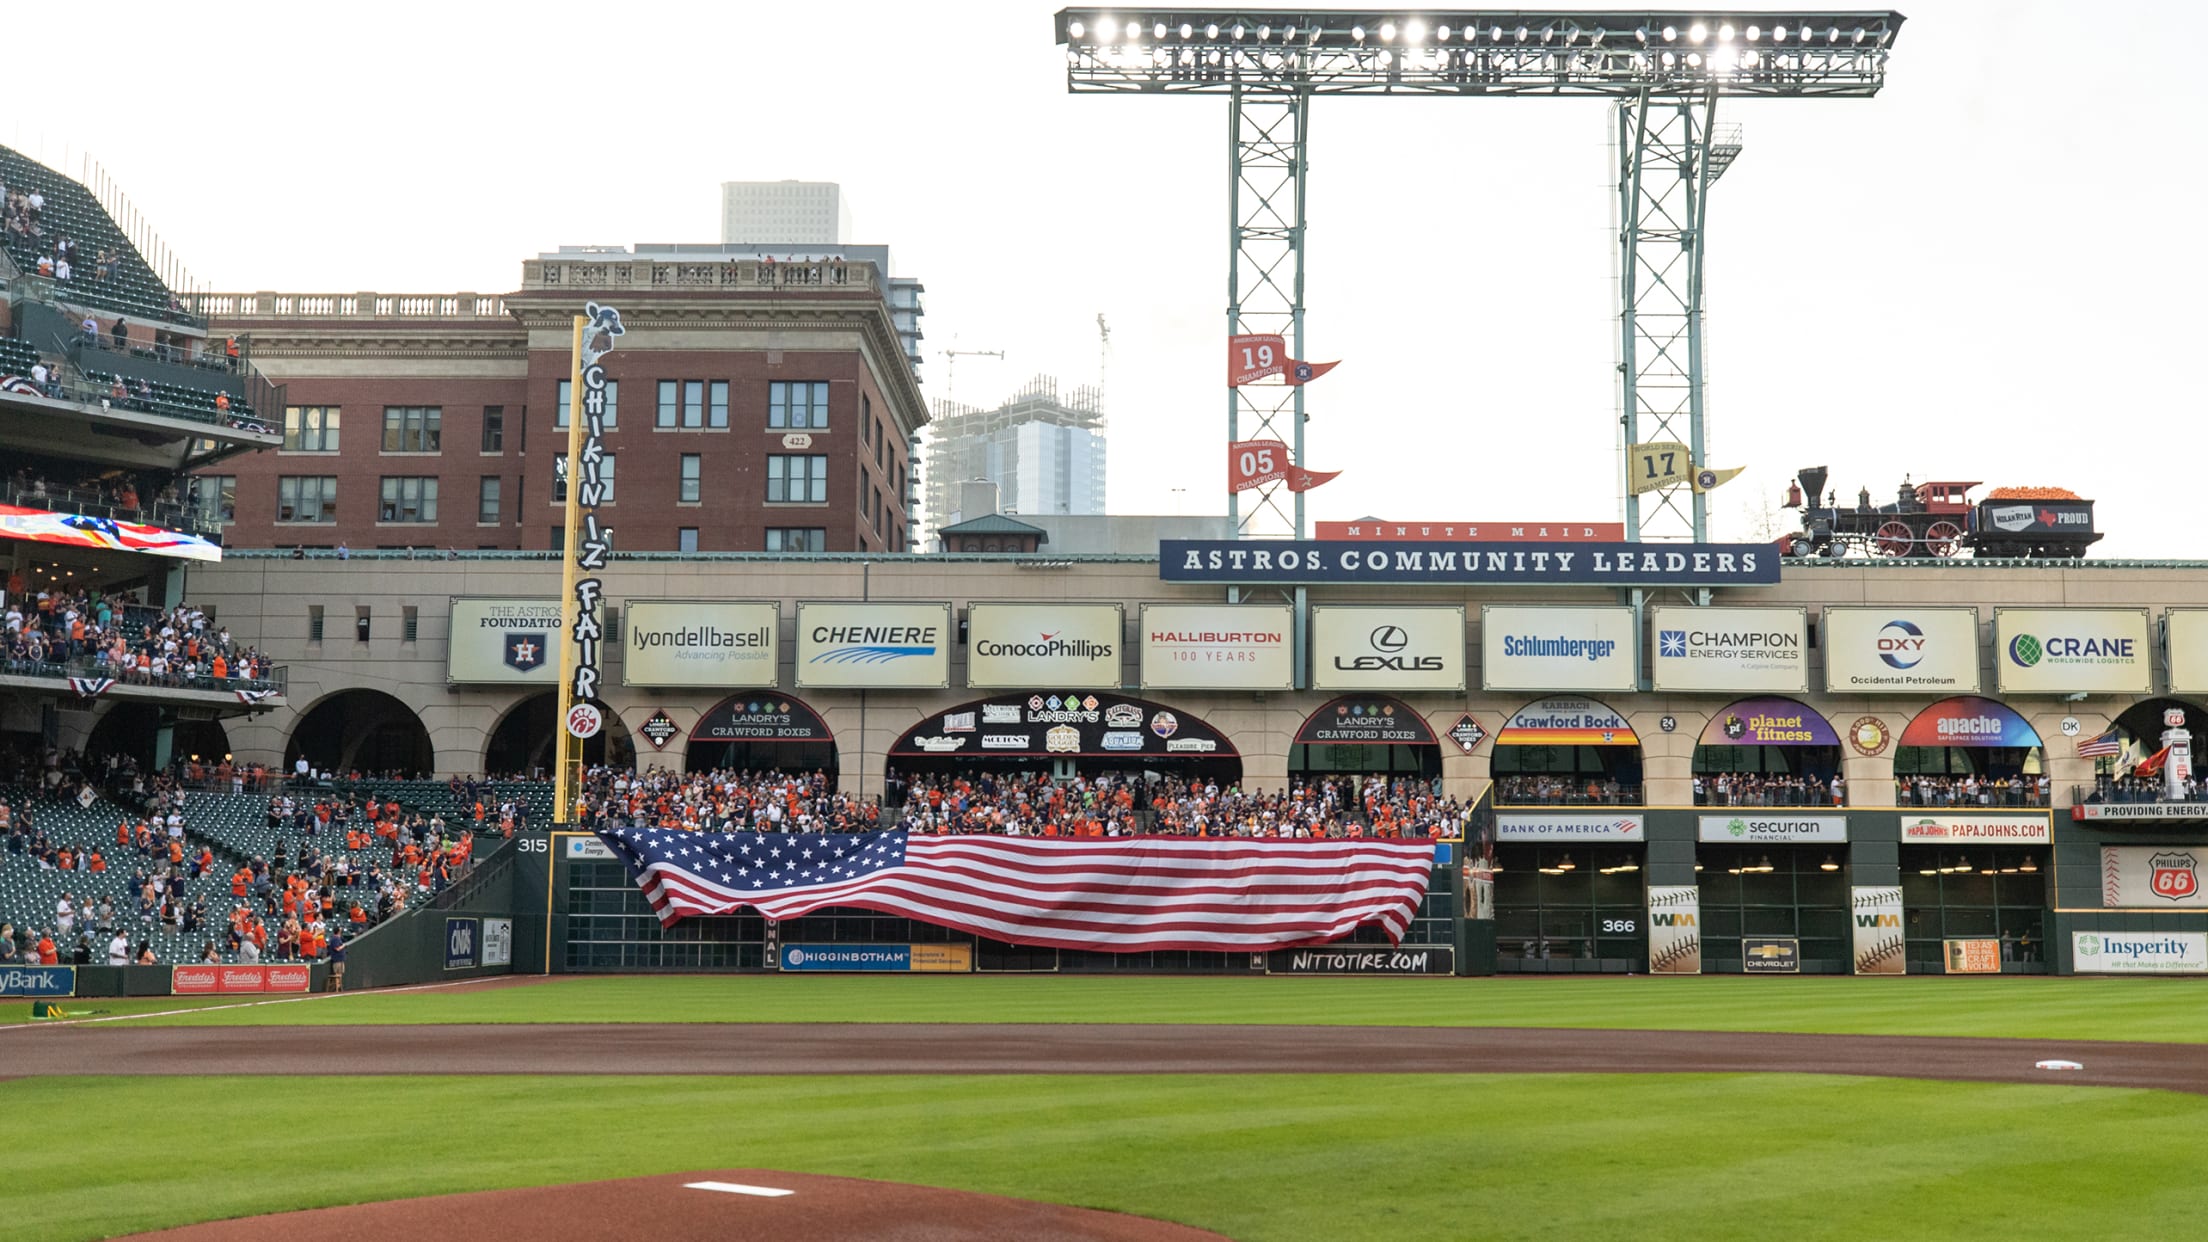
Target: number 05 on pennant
x=1254, y=463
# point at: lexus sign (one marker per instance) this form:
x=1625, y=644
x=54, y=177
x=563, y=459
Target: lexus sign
x=1387, y=648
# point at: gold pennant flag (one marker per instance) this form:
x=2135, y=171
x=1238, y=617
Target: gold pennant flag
x=1658, y=464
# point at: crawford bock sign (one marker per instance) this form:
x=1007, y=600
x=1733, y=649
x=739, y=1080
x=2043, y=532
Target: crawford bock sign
x=873, y=646
x=1387, y=648
x=707, y=643
x=1218, y=647
x=1495, y=564
x=1901, y=650
x=1533, y=648
x=1017, y=646
x=2071, y=650
x=1730, y=649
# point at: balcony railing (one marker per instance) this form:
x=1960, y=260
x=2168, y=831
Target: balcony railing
x=1513, y=791
x=1983, y=796
x=269, y=305
x=87, y=666
x=2139, y=793
x=169, y=516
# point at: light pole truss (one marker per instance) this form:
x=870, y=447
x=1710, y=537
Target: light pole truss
x=1801, y=53
x=1664, y=71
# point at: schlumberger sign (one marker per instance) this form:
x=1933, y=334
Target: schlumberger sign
x=1494, y=564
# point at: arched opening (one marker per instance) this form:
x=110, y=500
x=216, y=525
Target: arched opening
x=366, y=731
x=1567, y=752
x=129, y=729
x=1365, y=735
x=762, y=731
x=523, y=740
x=1766, y=751
x=1969, y=751
x=2160, y=747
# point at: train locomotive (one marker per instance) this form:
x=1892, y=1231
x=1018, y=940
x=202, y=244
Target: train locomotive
x=1940, y=520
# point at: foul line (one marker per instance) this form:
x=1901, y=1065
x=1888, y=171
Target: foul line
x=52, y=1023
x=738, y=1188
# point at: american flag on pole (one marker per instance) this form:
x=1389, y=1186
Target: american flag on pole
x=250, y=697
x=91, y=687
x=1121, y=895
x=2105, y=746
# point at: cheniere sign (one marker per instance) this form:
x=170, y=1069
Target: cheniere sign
x=1407, y=562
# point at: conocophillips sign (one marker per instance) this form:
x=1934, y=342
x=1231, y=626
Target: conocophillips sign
x=1901, y=650
x=1530, y=648
x=1020, y=646
x=1730, y=649
x=1218, y=647
x=706, y=643
x=2071, y=650
x=1387, y=648
x=873, y=646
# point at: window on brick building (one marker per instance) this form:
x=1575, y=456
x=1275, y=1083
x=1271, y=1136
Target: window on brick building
x=413, y=428
x=692, y=482
x=686, y=539
x=797, y=479
x=799, y=406
x=797, y=539
x=311, y=428
x=214, y=497
x=408, y=498
x=494, y=428
x=306, y=498
x=486, y=499
x=567, y=394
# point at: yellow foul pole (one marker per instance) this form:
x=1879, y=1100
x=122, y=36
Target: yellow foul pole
x=567, y=769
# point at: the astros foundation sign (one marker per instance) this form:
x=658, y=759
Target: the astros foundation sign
x=1402, y=562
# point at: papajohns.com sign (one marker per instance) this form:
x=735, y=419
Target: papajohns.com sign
x=1402, y=562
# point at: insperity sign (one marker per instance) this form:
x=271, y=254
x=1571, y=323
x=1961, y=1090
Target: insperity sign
x=1494, y=564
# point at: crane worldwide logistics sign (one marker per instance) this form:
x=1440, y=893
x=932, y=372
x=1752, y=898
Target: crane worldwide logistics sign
x=2072, y=650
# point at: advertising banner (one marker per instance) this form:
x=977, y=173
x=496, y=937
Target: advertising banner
x=1878, y=935
x=1608, y=829
x=1022, y=646
x=1533, y=648
x=941, y=959
x=2151, y=877
x=1099, y=724
x=1768, y=722
x=1901, y=650
x=2187, y=634
x=498, y=942
x=1674, y=929
x=1393, y=648
x=1773, y=827
x=1365, y=720
x=38, y=980
x=460, y=935
x=1403, y=959
x=586, y=848
x=237, y=980
x=1730, y=649
x=2029, y=828
x=761, y=718
x=1771, y=955
x=706, y=644
x=1973, y=957
x=504, y=642
x=1416, y=563
x=2139, y=953
x=894, y=958
x=1969, y=721
x=1472, y=532
x=2071, y=650
x=1566, y=722
x=1218, y=646
x=873, y=646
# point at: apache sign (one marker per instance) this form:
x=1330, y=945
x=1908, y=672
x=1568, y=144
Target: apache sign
x=1405, y=562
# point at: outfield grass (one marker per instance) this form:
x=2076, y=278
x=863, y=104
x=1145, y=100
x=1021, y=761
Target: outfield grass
x=1256, y=1157
x=2166, y=1010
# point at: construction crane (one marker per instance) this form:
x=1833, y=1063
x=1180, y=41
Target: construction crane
x=1103, y=364
x=950, y=368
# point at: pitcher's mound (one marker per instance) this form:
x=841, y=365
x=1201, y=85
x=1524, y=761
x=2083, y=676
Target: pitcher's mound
x=739, y=1203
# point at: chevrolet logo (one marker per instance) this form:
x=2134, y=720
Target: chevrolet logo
x=1768, y=951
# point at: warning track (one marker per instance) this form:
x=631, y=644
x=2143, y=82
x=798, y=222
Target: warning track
x=913, y=1048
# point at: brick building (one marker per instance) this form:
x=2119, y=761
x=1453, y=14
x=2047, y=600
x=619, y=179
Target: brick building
x=758, y=406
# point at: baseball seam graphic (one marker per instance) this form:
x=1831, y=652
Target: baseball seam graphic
x=2112, y=877
x=1689, y=947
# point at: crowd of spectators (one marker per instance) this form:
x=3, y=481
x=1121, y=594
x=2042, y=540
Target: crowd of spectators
x=723, y=800
x=1970, y=790
x=2108, y=787
x=111, y=494
x=1316, y=807
x=23, y=215
x=1768, y=789
x=1558, y=789
x=90, y=633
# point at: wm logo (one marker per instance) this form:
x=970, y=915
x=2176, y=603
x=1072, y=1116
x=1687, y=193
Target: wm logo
x=1878, y=920
x=1674, y=919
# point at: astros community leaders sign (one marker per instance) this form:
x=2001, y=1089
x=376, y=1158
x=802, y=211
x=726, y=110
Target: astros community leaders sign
x=1496, y=564
x=1901, y=650
x=873, y=646
x=686, y=642
x=1021, y=645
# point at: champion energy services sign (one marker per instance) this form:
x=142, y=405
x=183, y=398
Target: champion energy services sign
x=873, y=646
x=1730, y=649
x=1403, y=562
x=2071, y=650
x=1218, y=647
x=1015, y=646
x=1387, y=648
x=707, y=643
x=1901, y=650
x=1530, y=648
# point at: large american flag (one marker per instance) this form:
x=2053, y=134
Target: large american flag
x=1117, y=895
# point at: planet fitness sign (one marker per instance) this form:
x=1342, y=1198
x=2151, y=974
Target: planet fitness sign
x=1405, y=562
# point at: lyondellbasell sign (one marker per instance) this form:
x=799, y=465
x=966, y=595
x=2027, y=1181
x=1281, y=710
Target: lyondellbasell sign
x=1406, y=562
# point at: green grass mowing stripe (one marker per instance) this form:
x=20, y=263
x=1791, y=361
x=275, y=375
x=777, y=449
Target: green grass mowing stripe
x=12, y=1012
x=1700, y=1157
x=2169, y=1010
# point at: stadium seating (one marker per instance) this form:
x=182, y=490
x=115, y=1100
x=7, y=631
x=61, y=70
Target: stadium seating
x=72, y=212
x=17, y=357
x=176, y=400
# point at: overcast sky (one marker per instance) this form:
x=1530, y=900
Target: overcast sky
x=1991, y=271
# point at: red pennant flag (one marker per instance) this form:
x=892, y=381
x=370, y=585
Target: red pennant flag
x=1252, y=358
x=1254, y=463
x=2152, y=763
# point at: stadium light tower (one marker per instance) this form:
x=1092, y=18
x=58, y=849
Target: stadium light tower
x=1664, y=72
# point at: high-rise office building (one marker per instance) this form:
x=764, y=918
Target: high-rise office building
x=1045, y=452
x=811, y=213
